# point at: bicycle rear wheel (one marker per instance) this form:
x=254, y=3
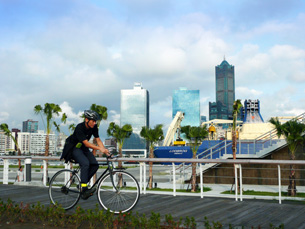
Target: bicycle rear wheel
x=122, y=198
x=64, y=189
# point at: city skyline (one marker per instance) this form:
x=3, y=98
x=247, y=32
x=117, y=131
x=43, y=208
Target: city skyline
x=76, y=53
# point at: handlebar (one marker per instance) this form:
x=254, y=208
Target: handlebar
x=111, y=156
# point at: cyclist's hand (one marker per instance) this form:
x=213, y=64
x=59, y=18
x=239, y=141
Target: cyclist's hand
x=105, y=151
x=110, y=155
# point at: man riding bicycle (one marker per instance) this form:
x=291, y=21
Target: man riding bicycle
x=78, y=144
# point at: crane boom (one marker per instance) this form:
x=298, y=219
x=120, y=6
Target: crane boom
x=175, y=124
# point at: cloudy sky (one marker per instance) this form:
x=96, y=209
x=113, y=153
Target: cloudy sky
x=78, y=52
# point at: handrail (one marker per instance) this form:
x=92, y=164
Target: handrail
x=143, y=161
x=211, y=148
x=175, y=160
x=297, y=117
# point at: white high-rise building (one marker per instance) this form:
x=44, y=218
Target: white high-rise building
x=5, y=143
x=35, y=143
x=24, y=142
x=135, y=111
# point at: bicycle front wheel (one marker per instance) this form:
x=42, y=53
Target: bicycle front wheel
x=64, y=189
x=121, y=195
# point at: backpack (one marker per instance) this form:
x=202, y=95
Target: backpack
x=68, y=149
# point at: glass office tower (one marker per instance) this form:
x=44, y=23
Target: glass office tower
x=188, y=102
x=135, y=111
x=30, y=126
x=225, y=92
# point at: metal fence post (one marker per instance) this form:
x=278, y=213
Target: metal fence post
x=201, y=180
x=144, y=177
x=236, y=177
x=241, y=182
x=5, y=171
x=44, y=180
x=141, y=177
x=28, y=169
x=280, y=190
x=67, y=166
x=174, y=179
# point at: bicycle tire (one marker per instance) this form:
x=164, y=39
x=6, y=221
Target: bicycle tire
x=122, y=200
x=63, y=192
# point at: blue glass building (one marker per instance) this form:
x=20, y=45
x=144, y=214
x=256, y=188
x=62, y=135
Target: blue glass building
x=225, y=92
x=188, y=102
x=135, y=111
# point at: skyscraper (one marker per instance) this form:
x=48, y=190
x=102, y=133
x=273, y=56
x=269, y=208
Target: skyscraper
x=188, y=102
x=135, y=111
x=225, y=92
x=30, y=126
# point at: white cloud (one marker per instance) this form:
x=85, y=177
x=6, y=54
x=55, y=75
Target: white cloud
x=86, y=54
x=73, y=118
x=294, y=111
x=114, y=116
x=4, y=116
x=244, y=93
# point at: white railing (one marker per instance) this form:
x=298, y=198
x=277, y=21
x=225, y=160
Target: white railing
x=143, y=163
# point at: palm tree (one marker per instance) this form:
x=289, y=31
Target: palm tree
x=7, y=132
x=293, y=132
x=63, y=120
x=120, y=134
x=152, y=136
x=236, y=110
x=49, y=110
x=195, y=135
x=71, y=128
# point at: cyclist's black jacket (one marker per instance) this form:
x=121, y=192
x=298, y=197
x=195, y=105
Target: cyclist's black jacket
x=81, y=133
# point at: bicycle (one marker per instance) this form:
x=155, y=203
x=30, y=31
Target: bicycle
x=117, y=190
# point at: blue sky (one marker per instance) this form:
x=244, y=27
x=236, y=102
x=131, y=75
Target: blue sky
x=76, y=52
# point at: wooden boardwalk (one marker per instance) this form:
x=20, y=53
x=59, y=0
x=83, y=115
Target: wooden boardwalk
x=248, y=213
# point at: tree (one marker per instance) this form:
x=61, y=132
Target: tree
x=293, y=132
x=152, y=136
x=49, y=110
x=120, y=134
x=63, y=120
x=7, y=132
x=71, y=128
x=236, y=110
x=195, y=135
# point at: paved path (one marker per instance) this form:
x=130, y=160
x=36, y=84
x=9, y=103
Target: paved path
x=247, y=213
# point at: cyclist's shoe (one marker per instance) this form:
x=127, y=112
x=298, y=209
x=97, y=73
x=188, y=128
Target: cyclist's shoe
x=86, y=193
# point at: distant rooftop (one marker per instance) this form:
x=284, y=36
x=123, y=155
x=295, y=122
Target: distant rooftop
x=224, y=63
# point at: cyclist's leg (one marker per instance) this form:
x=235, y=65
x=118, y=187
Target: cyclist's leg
x=82, y=157
x=79, y=156
x=93, y=164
